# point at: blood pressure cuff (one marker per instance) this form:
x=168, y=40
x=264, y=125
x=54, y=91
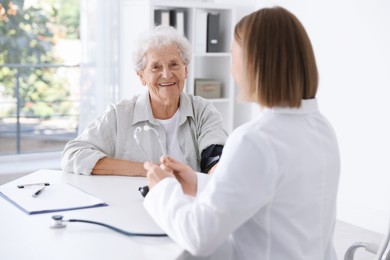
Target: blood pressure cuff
x=210, y=156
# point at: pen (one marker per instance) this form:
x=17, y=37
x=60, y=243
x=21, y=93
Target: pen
x=30, y=184
x=38, y=192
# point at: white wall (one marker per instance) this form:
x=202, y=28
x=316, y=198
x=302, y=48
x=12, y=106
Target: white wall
x=351, y=40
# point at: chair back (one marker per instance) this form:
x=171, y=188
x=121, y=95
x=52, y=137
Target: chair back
x=384, y=250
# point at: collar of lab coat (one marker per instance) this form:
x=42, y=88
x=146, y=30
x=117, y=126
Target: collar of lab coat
x=308, y=106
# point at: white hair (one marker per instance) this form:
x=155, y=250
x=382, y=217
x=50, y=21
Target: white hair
x=161, y=36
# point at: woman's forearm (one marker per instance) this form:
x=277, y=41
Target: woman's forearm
x=109, y=166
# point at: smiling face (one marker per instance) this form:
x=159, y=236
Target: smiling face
x=164, y=75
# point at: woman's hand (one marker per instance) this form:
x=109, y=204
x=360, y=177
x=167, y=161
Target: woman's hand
x=171, y=168
x=155, y=173
x=183, y=173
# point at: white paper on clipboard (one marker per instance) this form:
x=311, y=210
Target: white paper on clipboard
x=55, y=197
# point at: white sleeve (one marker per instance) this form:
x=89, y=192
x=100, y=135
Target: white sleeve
x=203, y=178
x=243, y=182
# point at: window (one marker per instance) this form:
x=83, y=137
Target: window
x=39, y=74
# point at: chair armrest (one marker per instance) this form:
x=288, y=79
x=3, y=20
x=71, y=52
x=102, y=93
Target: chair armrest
x=370, y=247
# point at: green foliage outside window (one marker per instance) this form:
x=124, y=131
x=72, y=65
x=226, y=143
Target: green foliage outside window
x=27, y=37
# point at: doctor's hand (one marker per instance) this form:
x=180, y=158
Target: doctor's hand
x=155, y=173
x=183, y=173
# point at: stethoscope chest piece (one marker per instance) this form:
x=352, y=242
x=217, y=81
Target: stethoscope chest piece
x=144, y=190
x=58, y=222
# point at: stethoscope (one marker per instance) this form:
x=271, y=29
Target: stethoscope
x=144, y=190
x=139, y=129
x=58, y=222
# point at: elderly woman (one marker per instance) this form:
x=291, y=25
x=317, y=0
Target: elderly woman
x=163, y=120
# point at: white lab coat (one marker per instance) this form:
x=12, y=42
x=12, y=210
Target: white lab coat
x=272, y=197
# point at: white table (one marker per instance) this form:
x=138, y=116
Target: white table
x=24, y=236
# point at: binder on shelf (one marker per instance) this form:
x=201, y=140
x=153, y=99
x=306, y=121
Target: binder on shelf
x=213, y=39
x=162, y=17
x=201, y=32
x=177, y=20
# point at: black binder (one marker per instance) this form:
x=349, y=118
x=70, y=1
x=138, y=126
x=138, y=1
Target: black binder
x=213, y=39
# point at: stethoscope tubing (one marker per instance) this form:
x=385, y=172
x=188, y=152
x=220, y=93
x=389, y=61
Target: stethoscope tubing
x=148, y=128
x=144, y=190
x=121, y=231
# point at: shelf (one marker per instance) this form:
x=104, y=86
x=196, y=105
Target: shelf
x=218, y=100
x=192, y=4
x=212, y=54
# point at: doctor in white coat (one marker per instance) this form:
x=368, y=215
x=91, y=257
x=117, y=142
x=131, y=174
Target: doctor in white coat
x=273, y=194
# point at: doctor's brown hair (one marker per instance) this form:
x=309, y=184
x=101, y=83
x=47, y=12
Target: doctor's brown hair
x=279, y=58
